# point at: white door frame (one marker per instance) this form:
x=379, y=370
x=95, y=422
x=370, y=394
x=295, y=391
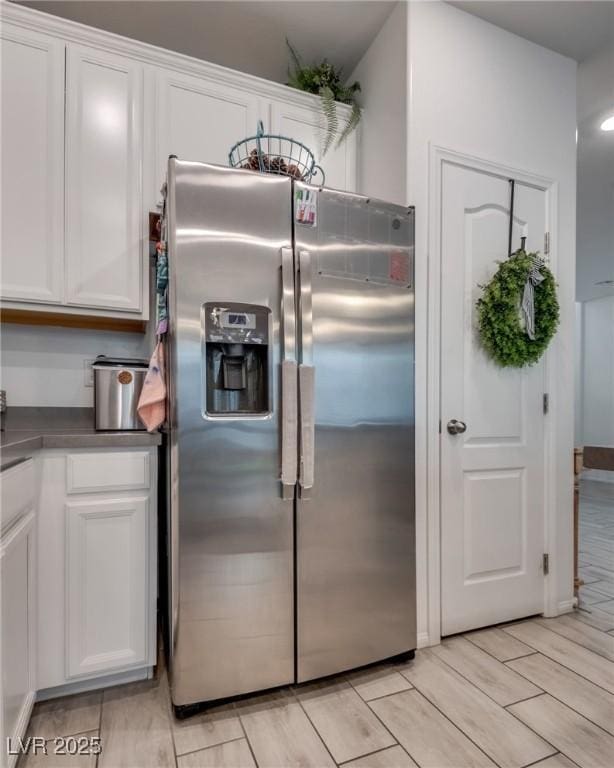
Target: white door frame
x=437, y=156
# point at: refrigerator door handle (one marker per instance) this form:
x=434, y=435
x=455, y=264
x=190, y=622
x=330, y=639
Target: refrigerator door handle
x=306, y=376
x=289, y=405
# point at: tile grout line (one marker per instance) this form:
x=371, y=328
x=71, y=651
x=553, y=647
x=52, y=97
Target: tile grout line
x=458, y=728
x=300, y=703
x=560, y=663
x=249, y=744
x=210, y=746
x=556, y=749
x=558, y=634
x=513, y=658
x=564, y=703
x=369, y=754
x=388, y=695
x=598, y=653
x=475, y=685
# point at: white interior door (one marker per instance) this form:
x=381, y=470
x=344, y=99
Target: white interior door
x=492, y=475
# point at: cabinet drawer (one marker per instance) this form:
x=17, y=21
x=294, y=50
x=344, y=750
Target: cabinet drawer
x=16, y=491
x=112, y=471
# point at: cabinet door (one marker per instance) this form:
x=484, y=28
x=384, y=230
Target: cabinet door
x=200, y=120
x=17, y=627
x=106, y=585
x=32, y=147
x=303, y=124
x=104, y=132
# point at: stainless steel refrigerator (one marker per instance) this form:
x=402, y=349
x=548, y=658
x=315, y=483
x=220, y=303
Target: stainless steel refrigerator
x=291, y=451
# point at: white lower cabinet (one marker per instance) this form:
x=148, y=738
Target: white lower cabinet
x=17, y=636
x=106, y=584
x=97, y=571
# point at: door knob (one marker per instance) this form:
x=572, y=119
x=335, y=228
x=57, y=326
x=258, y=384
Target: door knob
x=456, y=427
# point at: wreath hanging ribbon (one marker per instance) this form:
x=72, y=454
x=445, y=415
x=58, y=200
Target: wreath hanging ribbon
x=518, y=312
x=534, y=278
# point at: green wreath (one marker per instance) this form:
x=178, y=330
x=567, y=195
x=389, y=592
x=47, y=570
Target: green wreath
x=502, y=332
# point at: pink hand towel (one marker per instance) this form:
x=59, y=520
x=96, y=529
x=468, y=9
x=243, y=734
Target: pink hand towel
x=152, y=402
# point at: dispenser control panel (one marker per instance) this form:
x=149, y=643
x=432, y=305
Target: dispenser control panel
x=238, y=320
x=238, y=324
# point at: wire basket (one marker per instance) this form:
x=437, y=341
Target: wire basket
x=270, y=153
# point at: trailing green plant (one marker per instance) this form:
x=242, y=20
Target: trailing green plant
x=499, y=323
x=325, y=80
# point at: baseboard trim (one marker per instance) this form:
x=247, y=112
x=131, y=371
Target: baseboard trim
x=566, y=606
x=424, y=640
x=94, y=683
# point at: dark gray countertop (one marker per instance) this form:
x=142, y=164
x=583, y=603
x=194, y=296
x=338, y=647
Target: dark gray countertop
x=30, y=429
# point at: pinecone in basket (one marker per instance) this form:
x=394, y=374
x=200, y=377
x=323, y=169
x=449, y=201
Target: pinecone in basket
x=253, y=160
x=293, y=170
x=277, y=165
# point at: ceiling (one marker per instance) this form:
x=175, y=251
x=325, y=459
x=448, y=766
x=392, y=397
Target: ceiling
x=575, y=29
x=248, y=36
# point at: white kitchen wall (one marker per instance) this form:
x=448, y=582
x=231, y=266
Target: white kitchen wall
x=481, y=91
x=598, y=372
x=382, y=73
x=42, y=366
x=474, y=88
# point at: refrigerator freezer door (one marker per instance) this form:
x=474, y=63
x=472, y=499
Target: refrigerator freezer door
x=231, y=530
x=355, y=515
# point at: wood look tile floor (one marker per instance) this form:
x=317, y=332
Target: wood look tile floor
x=534, y=693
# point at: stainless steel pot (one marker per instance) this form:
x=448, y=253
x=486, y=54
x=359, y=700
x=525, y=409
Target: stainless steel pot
x=117, y=388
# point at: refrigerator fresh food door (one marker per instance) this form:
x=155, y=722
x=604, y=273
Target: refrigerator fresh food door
x=231, y=327
x=355, y=512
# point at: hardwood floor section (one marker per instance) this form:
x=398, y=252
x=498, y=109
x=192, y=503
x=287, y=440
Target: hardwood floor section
x=231, y=754
x=596, y=618
x=488, y=725
x=566, y=652
x=489, y=675
x=66, y=716
x=392, y=757
x=575, y=736
x=214, y=726
x=586, y=698
x=377, y=682
x=280, y=733
x=429, y=737
x=568, y=626
x=344, y=721
x=556, y=761
x=135, y=728
x=608, y=606
x=499, y=644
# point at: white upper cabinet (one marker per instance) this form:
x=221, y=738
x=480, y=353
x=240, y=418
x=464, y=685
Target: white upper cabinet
x=88, y=122
x=104, y=139
x=303, y=124
x=199, y=119
x=32, y=165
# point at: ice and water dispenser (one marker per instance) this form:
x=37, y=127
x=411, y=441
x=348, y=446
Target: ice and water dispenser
x=237, y=351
